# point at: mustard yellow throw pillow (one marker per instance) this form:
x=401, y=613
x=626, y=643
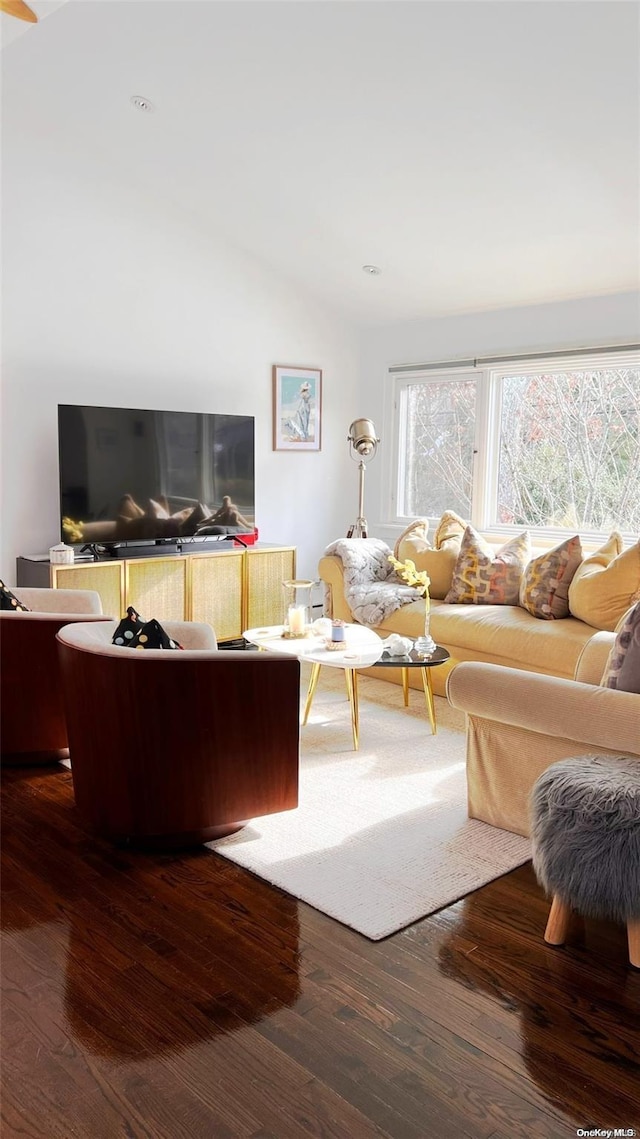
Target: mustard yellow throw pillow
x=450, y=526
x=439, y=562
x=606, y=584
x=416, y=531
x=544, y=589
x=484, y=577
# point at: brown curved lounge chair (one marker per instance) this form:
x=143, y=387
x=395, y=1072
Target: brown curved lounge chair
x=33, y=726
x=172, y=748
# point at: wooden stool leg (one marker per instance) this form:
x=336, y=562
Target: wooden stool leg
x=633, y=937
x=558, y=923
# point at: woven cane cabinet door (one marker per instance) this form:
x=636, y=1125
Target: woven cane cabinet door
x=157, y=587
x=107, y=580
x=266, y=570
x=216, y=592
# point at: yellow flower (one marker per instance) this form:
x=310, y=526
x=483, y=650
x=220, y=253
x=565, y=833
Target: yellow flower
x=419, y=579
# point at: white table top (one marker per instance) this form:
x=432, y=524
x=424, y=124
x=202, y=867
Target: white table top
x=362, y=647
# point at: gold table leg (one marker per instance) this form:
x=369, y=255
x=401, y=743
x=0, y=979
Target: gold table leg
x=428, y=692
x=352, y=685
x=405, y=686
x=313, y=684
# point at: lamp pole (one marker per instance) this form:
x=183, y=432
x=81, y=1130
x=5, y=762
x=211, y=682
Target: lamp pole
x=358, y=529
x=363, y=441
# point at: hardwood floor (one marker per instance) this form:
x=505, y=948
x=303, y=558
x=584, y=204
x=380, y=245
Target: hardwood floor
x=177, y=997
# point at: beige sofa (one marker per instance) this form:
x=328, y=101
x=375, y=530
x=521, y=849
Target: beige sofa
x=495, y=634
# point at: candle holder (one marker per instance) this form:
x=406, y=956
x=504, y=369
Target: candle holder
x=297, y=608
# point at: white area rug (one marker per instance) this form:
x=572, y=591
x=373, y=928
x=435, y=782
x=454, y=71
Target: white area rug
x=381, y=837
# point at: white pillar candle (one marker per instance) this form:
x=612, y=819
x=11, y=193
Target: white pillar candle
x=296, y=620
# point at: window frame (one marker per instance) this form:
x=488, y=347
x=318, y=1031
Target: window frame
x=489, y=378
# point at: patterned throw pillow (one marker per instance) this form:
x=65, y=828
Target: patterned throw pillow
x=623, y=666
x=153, y=636
x=606, y=584
x=484, y=577
x=9, y=602
x=128, y=627
x=544, y=589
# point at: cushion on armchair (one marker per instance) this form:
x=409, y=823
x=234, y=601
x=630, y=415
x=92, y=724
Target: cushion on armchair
x=134, y=632
x=131, y=624
x=153, y=636
x=9, y=601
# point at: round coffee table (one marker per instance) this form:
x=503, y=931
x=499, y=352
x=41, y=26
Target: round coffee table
x=362, y=649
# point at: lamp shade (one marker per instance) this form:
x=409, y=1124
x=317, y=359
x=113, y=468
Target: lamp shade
x=362, y=436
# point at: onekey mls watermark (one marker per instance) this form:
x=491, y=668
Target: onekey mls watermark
x=607, y=1132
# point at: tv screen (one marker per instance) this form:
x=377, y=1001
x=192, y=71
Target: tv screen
x=128, y=475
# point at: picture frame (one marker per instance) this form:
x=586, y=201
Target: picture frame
x=297, y=408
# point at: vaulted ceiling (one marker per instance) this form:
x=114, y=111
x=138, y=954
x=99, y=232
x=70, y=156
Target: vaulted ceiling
x=482, y=154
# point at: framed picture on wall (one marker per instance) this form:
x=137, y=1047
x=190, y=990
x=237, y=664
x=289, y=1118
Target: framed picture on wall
x=297, y=408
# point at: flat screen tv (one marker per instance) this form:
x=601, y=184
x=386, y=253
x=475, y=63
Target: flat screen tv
x=131, y=476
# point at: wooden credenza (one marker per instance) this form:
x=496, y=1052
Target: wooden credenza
x=230, y=589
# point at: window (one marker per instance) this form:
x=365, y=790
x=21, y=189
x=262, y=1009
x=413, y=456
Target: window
x=553, y=447
x=438, y=417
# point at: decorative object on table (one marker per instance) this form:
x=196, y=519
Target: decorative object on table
x=335, y=646
x=586, y=842
x=297, y=607
x=61, y=555
x=363, y=444
x=418, y=579
x=297, y=408
x=337, y=631
x=397, y=646
x=322, y=627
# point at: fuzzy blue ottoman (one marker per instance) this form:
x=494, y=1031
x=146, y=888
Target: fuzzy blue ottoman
x=586, y=842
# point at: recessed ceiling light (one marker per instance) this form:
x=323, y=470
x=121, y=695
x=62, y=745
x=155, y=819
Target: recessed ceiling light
x=371, y=270
x=141, y=103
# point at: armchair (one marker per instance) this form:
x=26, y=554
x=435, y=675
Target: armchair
x=33, y=724
x=519, y=723
x=175, y=748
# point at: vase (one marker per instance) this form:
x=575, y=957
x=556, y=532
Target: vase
x=425, y=645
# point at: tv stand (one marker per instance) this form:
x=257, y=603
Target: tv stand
x=227, y=586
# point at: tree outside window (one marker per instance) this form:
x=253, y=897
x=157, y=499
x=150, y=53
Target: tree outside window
x=554, y=449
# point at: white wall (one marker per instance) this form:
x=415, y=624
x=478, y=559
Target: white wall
x=110, y=298
x=590, y=322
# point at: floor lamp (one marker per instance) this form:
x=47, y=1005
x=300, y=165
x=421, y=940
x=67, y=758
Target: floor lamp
x=363, y=444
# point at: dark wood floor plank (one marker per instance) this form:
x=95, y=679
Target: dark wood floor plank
x=155, y=996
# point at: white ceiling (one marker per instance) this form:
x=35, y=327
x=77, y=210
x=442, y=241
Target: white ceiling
x=483, y=154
